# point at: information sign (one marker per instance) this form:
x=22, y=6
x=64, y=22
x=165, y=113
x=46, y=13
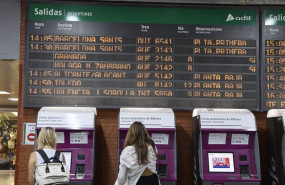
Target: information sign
x=112, y=55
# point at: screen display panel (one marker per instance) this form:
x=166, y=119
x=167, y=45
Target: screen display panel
x=221, y=162
x=75, y=57
x=272, y=59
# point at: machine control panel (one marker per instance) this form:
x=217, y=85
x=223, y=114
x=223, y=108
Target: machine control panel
x=162, y=157
x=228, y=147
x=162, y=171
x=160, y=124
x=75, y=133
x=244, y=172
x=81, y=157
x=242, y=158
x=80, y=171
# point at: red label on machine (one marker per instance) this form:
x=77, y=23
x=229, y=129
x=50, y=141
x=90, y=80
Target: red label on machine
x=221, y=162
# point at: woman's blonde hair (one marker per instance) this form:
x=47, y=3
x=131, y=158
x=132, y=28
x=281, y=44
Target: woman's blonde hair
x=47, y=137
x=138, y=137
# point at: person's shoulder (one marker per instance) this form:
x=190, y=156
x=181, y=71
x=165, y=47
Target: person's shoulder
x=33, y=156
x=128, y=150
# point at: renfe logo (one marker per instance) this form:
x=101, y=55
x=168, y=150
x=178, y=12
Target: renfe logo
x=244, y=18
x=221, y=162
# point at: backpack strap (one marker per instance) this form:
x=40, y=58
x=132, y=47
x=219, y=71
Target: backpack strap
x=44, y=156
x=56, y=160
x=56, y=157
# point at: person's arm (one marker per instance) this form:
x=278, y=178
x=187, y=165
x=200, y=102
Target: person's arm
x=122, y=174
x=31, y=168
x=63, y=159
x=124, y=165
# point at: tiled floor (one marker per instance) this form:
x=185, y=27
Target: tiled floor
x=7, y=177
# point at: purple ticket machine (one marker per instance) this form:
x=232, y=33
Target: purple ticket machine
x=75, y=131
x=160, y=124
x=226, y=149
x=275, y=125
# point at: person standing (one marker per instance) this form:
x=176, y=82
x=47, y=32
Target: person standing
x=4, y=140
x=47, y=142
x=138, y=159
x=1, y=146
x=11, y=142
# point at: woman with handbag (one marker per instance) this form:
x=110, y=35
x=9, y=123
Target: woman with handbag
x=46, y=142
x=138, y=159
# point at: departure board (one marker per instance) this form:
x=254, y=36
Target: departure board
x=273, y=59
x=112, y=55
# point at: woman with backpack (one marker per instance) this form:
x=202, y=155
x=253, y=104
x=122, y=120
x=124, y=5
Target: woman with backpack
x=138, y=159
x=46, y=142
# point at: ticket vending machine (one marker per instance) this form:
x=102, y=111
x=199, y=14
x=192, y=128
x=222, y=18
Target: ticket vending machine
x=225, y=145
x=160, y=124
x=75, y=131
x=275, y=125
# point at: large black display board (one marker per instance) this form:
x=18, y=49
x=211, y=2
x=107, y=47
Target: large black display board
x=114, y=55
x=273, y=59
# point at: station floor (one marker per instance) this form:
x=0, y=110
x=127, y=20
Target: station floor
x=7, y=177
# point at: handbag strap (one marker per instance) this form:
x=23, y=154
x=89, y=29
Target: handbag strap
x=44, y=156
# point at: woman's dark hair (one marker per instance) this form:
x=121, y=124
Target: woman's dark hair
x=138, y=137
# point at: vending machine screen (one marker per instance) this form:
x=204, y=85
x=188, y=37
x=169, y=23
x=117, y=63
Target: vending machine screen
x=221, y=162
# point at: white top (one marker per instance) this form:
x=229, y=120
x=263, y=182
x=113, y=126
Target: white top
x=50, y=153
x=129, y=170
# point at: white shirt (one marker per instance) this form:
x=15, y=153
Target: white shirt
x=129, y=170
x=50, y=153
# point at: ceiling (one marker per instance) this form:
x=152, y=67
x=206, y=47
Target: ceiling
x=9, y=82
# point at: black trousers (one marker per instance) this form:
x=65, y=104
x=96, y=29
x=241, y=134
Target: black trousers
x=148, y=180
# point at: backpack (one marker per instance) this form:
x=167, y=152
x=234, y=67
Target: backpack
x=51, y=173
